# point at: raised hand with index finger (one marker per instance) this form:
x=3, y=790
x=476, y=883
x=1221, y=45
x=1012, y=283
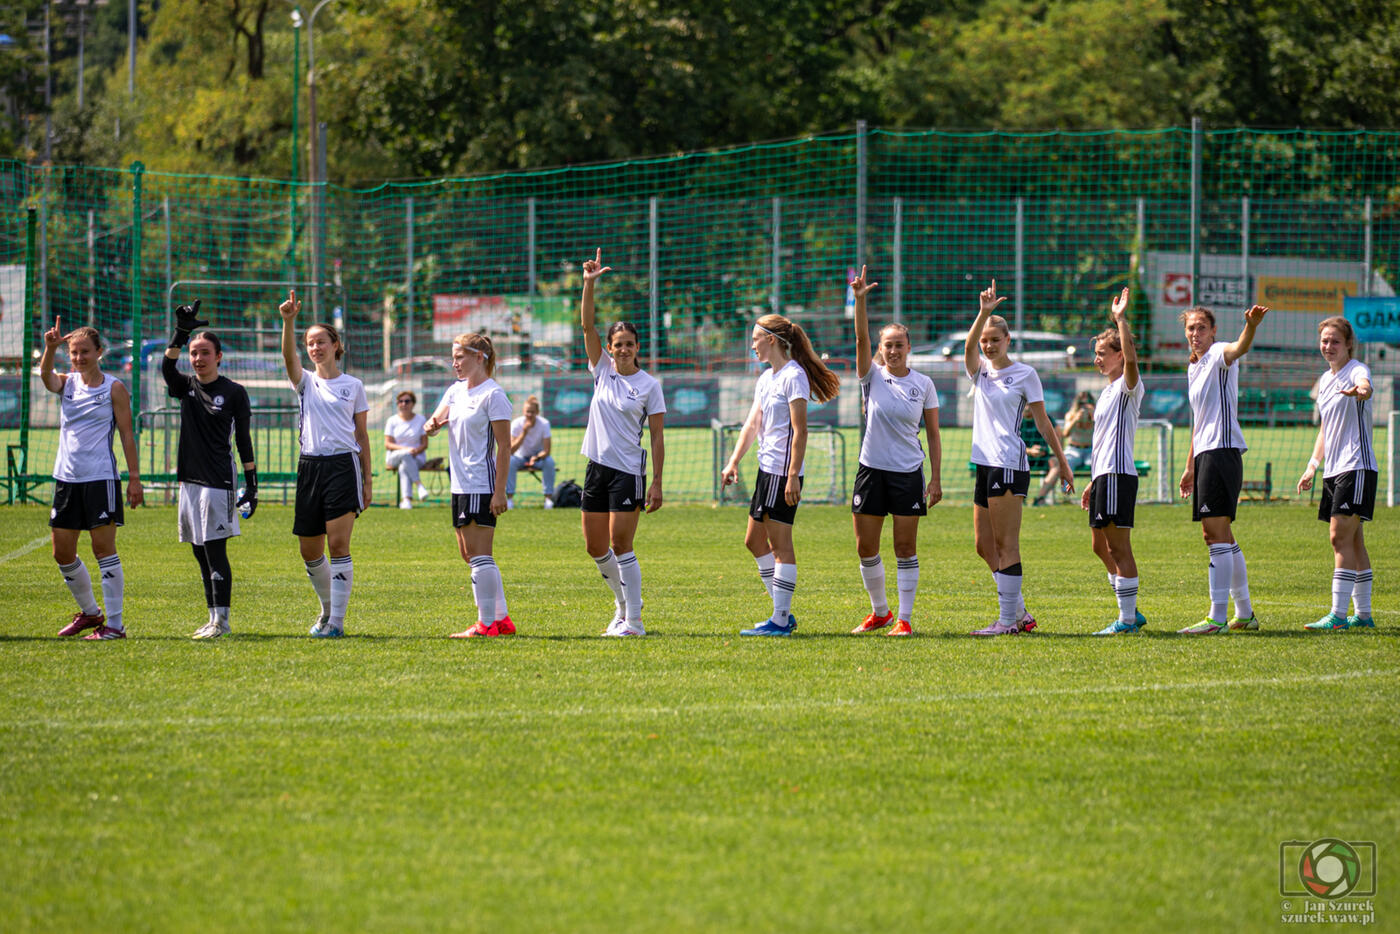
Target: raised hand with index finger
x=860, y=287
x=291, y=307
x=54, y=335
x=593, y=268
x=988, y=300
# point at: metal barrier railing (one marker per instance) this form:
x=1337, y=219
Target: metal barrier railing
x=274, y=431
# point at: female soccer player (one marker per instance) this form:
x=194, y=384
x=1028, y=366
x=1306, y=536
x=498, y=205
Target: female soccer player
x=890, y=478
x=405, y=442
x=1002, y=390
x=212, y=407
x=625, y=397
x=334, y=472
x=778, y=420
x=1215, y=466
x=1349, y=482
x=85, y=477
x=477, y=414
x=1111, y=494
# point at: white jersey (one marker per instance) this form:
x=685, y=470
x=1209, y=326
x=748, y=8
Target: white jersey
x=85, y=430
x=1115, y=426
x=1346, y=421
x=621, y=406
x=776, y=389
x=894, y=409
x=326, y=424
x=999, y=401
x=407, y=432
x=1214, y=389
x=533, y=441
x=471, y=442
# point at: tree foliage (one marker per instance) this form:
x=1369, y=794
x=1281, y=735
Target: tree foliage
x=413, y=88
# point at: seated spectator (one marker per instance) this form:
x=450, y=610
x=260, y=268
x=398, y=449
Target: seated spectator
x=529, y=449
x=405, y=440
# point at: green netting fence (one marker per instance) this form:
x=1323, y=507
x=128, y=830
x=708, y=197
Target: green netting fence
x=700, y=243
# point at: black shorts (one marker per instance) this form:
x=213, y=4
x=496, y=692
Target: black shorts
x=770, y=499
x=88, y=505
x=472, y=507
x=998, y=481
x=1219, y=477
x=1111, y=500
x=885, y=492
x=606, y=489
x=1348, y=494
x=327, y=488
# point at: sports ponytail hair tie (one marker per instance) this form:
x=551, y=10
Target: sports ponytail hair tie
x=777, y=337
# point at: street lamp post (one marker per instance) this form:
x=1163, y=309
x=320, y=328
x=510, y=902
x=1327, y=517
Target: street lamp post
x=312, y=162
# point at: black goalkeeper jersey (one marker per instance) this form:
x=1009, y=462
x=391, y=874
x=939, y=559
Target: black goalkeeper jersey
x=209, y=414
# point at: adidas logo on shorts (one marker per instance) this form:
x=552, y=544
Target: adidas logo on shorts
x=1099, y=517
x=627, y=502
x=1205, y=509
x=995, y=485
x=220, y=528
x=102, y=515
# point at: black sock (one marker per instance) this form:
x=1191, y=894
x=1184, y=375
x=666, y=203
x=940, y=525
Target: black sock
x=1012, y=569
x=202, y=557
x=220, y=574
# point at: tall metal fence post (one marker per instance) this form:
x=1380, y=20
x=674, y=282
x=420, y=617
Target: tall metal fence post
x=1367, y=257
x=410, y=318
x=898, y=249
x=92, y=268
x=531, y=244
x=653, y=275
x=1020, y=273
x=1195, y=210
x=136, y=171
x=775, y=297
x=1244, y=244
x=169, y=276
x=862, y=167
x=44, y=251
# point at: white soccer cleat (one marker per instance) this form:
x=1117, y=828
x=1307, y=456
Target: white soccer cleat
x=405, y=503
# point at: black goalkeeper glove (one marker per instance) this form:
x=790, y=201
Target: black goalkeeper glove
x=186, y=320
x=249, y=498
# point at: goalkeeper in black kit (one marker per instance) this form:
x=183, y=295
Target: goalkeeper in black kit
x=213, y=409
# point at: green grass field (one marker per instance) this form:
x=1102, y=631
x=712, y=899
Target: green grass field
x=692, y=780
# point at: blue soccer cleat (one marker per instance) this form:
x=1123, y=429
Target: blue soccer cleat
x=770, y=628
x=1120, y=628
x=1360, y=622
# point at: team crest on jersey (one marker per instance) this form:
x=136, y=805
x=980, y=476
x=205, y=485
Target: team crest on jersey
x=343, y=393
x=218, y=401
x=855, y=500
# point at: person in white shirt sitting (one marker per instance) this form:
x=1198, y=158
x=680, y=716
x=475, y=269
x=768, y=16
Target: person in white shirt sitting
x=529, y=449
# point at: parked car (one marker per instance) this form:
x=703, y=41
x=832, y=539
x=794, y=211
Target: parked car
x=1044, y=350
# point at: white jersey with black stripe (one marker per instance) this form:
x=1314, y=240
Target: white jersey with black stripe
x=86, y=427
x=1115, y=426
x=1214, y=388
x=999, y=400
x=1346, y=421
x=471, y=442
x=894, y=410
x=775, y=391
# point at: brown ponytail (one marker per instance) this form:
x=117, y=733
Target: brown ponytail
x=825, y=384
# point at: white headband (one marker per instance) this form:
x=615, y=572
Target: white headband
x=776, y=337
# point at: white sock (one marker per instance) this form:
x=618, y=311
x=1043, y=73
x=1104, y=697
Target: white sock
x=1009, y=604
x=320, y=573
x=1361, y=594
x=1125, y=590
x=342, y=580
x=1113, y=582
x=784, y=586
x=1239, y=586
x=486, y=581
x=79, y=583
x=502, y=611
x=113, y=585
x=872, y=574
x=219, y=614
x=1343, y=583
x=1221, y=569
x=631, y=573
x=612, y=576
x=906, y=577
x=766, y=564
